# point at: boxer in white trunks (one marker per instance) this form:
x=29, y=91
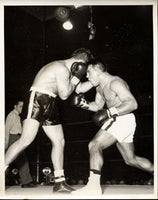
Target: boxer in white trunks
x=57, y=79
x=114, y=104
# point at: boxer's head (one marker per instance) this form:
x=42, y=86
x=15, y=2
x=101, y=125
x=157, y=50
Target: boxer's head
x=98, y=64
x=95, y=69
x=83, y=54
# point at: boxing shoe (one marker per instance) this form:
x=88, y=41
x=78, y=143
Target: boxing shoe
x=89, y=189
x=62, y=187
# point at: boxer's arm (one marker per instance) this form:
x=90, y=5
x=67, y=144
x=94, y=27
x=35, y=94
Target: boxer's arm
x=98, y=104
x=80, y=101
x=83, y=87
x=64, y=85
x=128, y=101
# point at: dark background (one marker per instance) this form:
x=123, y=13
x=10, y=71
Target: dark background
x=124, y=41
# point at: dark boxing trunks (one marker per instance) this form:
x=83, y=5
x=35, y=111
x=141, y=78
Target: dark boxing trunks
x=43, y=108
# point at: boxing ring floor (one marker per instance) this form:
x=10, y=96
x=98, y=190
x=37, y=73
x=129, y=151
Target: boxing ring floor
x=109, y=191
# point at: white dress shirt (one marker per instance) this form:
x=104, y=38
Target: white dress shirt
x=12, y=125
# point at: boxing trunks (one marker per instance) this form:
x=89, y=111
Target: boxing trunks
x=123, y=128
x=43, y=108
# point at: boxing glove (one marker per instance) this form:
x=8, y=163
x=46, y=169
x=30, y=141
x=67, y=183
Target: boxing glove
x=79, y=101
x=78, y=69
x=101, y=116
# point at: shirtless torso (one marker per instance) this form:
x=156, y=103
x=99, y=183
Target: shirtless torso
x=46, y=78
x=110, y=90
x=109, y=95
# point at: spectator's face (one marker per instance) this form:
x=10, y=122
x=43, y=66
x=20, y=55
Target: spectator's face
x=92, y=75
x=19, y=107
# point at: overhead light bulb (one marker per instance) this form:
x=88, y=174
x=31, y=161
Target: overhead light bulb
x=67, y=25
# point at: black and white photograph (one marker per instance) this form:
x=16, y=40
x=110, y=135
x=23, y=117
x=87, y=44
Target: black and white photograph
x=79, y=99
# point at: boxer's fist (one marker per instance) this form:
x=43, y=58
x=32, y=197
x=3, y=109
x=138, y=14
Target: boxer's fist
x=101, y=116
x=79, y=101
x=78, y=69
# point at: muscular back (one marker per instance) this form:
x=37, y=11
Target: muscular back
x=46, y=77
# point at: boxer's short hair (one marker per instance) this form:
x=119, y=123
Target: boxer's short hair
x=99, y=64
x=84, y=54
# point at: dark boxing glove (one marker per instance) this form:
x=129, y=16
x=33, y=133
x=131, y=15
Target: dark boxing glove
x=101, y=116
x=78, y=69
x=79, y=101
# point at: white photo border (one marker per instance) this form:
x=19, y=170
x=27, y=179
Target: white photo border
x=2, y=91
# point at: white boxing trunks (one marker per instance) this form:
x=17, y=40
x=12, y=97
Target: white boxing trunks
x=123, y=128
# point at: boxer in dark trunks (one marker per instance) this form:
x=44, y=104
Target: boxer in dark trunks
x=57, y=79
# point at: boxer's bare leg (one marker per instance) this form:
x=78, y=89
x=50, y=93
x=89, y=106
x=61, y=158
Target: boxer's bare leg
x=56, y=135
x=30, y=128
x=128, y=153
x=101, y=140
